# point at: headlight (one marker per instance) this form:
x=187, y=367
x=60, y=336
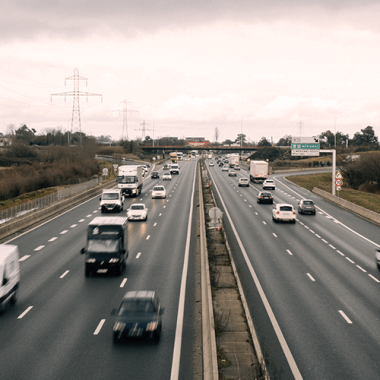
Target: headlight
x=90, y=260
x=151, y=326
x=114, y=261
x=118, y=326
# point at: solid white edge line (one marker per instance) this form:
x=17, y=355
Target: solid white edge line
x=174, y=375
x=26, y=311
x=289, y=357
x=100, y=325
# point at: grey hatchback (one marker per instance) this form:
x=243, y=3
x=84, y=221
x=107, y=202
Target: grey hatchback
x=306, y=206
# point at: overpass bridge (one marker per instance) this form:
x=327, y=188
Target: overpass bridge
x=182, y=148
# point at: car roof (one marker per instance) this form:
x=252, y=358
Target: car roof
x=108, y=220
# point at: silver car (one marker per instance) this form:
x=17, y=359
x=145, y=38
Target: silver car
x=158, y=192
x=137, y=211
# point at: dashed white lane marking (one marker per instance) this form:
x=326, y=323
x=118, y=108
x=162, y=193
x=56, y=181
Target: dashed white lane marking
x=64, y=232
x=264, y=222
x=307, y=227
x=310, y=276
x=170, y=195
x=317, y=236
x=123, y=283
x=362, y=269
x=73, y=226
x=89, y=216
x=39, y=248
x=94, y=212
x=138, y=255
x=26, y=311
x=290, y=253
x=256, y=213
x=340, y=252
x=325, y=241
x=148, y=237
x=160, y=214
x=100, y=325
x=312, y=231
x=348, y=320
x=374, y=278
x=164, y=206
x=155, y=224
x=24, y=258
x=274, y=234
x=351, y=261
x=82, y=220
x=64, y=274
x=330, y=245
x=250, y=206
x=52, y=239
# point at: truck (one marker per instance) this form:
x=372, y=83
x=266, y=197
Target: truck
x=130, y=179
x=234, y=159
x=174, y=169
x=258, y=171
x=9, y=275
x=111, y=200
x=173, y=157
x=180, y=156
x=106, y=248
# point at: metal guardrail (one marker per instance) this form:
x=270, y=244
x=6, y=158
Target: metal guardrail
x=38, y=203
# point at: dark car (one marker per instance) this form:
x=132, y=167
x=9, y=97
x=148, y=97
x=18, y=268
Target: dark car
x=154, y=175
x=221, y=164
x=264, y=197
x=166, y=167
x=138, y=316
x=306, y=206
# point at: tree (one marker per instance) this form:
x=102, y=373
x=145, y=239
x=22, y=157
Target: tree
x=240, y=136
x=366, y=137
x=327, y=139
x=285, y=141
x=264, y=142
x=228, y=142
x=24, y=135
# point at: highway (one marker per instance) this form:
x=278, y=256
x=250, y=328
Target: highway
x=312, y=287
x=61, y=324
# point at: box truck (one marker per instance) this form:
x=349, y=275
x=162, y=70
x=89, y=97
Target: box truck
x=130, y=179
x=234, y=159
x=107, y=245
x=258, y=171
x=9, y=274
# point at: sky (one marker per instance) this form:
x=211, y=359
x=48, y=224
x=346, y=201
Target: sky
x=191, y=68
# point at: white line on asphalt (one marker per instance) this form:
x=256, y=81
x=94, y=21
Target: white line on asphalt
x=73, y=226
x=351, y=261
x=123, y=283
x=89, y=216
x=100, y=325
x=138, y=255
x=82, y=220
x=362, y=269
x=264, y=222
x=250, y=206
x=274, y=234
x=52, y=239
x=64, y=232
x=39, y=248
x=330, y=245
x=312, y=231
x=325, y=241
x=148, y=237
x=64, y=274
x=160, y=214
x=340, y=252
x=155, y=224
x=290, y=253
x=256, y=213
x=348, y=320
x=374, y=278
x=317, y=236
x=26, y=311
x=94, y=212
x=307, y=227
x=311, y=277
x=164, y=206
x=24, y=258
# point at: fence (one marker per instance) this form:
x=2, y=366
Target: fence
x=61, y=194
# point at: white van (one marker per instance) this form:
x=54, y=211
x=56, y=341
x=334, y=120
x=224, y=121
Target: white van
x=9, y=274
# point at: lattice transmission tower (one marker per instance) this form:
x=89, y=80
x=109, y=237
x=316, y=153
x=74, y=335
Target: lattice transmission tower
x=125, y=111
x=75, y=118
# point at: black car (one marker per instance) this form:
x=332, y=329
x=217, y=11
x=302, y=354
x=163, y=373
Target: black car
x=264, y=197
x=221, y=164
x=138, y=316
x=154, y=175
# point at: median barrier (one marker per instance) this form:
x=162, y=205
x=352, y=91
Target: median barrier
x=361, y=211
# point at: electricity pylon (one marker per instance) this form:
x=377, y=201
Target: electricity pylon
x=75, y=118
x=125, y=111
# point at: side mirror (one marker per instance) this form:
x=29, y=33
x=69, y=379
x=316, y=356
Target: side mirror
x=5, y=281
x=123, y=251
x=82, y=251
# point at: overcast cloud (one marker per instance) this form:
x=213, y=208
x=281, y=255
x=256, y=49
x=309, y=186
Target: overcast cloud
x=191, y=66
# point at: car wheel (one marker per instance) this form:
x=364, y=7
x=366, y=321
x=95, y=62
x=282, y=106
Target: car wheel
x=119, y=270
x=115, y=338
x=294, y=221
x=87, y=272
x=14, y=298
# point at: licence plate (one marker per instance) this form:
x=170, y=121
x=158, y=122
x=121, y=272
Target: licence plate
x=102, y=270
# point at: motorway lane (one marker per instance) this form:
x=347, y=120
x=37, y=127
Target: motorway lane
x=338, y=284
x=55, y=339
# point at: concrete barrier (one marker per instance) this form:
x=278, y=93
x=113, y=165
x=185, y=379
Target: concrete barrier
x=33, y=217
x=361, y=211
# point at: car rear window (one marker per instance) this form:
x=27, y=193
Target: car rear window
x=309, y=203
x=158, y=188
x=286, y=208
x=137, y=207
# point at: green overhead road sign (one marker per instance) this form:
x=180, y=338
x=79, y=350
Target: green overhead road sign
x=305, y=146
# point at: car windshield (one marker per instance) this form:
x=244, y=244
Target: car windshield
x=127, y=179
x=286, y=208
x=103, y=246
x=137, y=207
x=158, y=188
x=110, y=196
x=136, y=306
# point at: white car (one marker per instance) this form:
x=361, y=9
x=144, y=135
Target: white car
x=243, y=182
x=237, y=167
x=225, y=168
x=137, y=211
x=166, y=176
x=211, y=164
x=158, y=192
x=284, y=212
x=269, y=184
x=232, y=173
